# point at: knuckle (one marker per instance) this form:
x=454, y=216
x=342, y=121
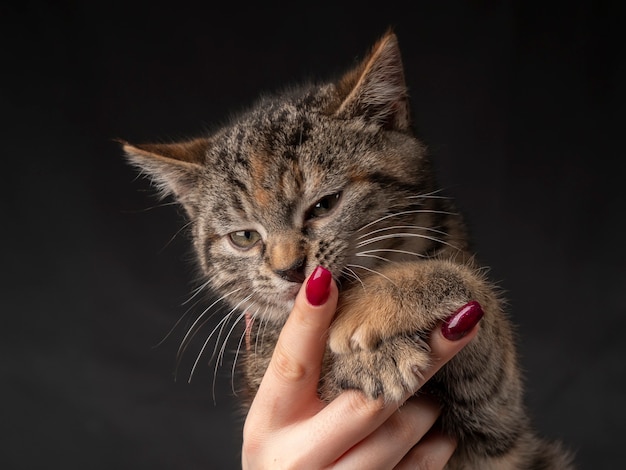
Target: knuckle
x=411, y=421
x=363, y=406
x=426, y=462
x=400, y=429
x=251, y=449
x=286, y=368
x=251, y=443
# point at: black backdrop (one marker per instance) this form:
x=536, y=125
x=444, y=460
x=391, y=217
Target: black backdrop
x=521, y=107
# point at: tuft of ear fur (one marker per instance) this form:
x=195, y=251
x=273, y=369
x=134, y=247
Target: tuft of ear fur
x=376, y=89
x=173, y=168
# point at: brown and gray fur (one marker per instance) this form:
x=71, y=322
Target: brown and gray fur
x=333, y=175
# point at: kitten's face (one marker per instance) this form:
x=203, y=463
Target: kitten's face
x=305, y=179
x=295, y=189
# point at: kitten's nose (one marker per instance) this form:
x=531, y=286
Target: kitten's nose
x=294, y=273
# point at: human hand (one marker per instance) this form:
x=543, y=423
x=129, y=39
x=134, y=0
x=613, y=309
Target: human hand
x=288, y=426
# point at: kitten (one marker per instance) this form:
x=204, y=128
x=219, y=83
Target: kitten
x=333, y=175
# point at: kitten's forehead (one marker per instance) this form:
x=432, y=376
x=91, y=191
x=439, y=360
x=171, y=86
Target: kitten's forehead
x=275, y=138
x=260, y=157
x=279, y=127
x=283, y=156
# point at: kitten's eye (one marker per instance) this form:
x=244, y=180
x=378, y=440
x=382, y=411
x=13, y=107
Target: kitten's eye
x=244, y=239
x=323, y=206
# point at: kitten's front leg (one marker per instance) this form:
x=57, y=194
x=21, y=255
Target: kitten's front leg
x=378, y=339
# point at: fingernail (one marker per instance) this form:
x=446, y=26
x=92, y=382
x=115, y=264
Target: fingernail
x=462, y=321
x=318, y=286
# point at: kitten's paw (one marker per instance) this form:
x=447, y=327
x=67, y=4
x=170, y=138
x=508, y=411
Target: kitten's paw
x=393, y=369
x=356, y=329
x=352, y=336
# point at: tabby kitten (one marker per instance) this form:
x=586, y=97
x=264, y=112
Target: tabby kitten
x=333, y=175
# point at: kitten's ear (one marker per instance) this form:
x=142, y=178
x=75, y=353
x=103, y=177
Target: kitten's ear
x=173, y=168
x=376, y=89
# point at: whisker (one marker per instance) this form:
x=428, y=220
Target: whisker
x=425, y=196
x=261, y=333
x=150, y=208
x=223, y=322
x=430, y=195
x=365, y=255
x=169, y=333
x=182, y=317
x=197, y=326
x=397, y=227
x=339, y=281
x=196, y=291
x=174, y=236
x=184, y=346
x=351, y=273
x=372, y=271
x=218, y=361
x=241, y=339
x=265, y=327
x=216, y=346
x=399, y=235
x=193, y=330
x=220, y=357
x=404, y=252
x=220, y=325
x=398, y=214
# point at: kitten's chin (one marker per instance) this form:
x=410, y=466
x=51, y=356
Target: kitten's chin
x=288, y=298
x=286, y=292
x=292, y=292
x=283, y=303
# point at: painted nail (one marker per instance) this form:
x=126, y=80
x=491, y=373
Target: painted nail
x=318, y=286
x=462, y=321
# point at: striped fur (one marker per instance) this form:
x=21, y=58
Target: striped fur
x=332, y=174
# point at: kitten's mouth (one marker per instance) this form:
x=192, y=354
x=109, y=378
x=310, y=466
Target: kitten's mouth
x=288, y=297
x=292, y=291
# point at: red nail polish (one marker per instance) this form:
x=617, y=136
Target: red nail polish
x=462, y=321
x=318, y=286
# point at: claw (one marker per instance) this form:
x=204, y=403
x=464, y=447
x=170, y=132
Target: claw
x=418, y=372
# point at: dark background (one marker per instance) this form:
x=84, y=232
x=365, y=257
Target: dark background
x=522, y=106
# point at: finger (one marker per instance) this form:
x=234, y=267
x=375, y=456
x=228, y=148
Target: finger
x=453, y=335
x=390, y=442
x=432, y=452
x=449, y=338
x=290, y=382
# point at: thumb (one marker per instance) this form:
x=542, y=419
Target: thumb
x=294, y=370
